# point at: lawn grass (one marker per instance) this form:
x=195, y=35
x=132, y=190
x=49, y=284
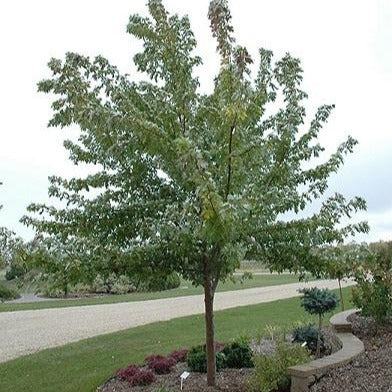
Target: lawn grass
x=82, y=366
x=186, y=288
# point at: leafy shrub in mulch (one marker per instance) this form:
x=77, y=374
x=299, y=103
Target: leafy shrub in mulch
x=160, y=364
x=179, y=355
x=197, y=358
x=238, y=355
x=373, y=274
x=309, y=334
x=136, y=375
x=271, y=370
x=153, y=358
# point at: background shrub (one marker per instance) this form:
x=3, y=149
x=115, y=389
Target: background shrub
x=157, y=282
x=122, y=285
x=197, y=359
x=136, y=376
x=309, y=334
x=238, y=355
x=14, y=272
x=112, y=284
x=271, y=370
x=7, y=293
x=99, y=286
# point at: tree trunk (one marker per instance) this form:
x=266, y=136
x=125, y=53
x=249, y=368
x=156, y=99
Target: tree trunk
x=341, y=295
x=318, y=348
x=209, y=320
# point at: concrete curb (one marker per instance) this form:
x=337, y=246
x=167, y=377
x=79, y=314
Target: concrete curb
x=303, y=375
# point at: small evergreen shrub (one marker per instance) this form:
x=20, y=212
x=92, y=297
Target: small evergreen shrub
x=309, y=334
x=271, y=371
x=136, y=376
x=238, y=355
x=319, y=301
x=179, y=355
x=160, y=364
x=197, y=359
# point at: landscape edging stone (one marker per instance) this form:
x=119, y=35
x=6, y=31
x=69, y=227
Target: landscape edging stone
x=304, y=375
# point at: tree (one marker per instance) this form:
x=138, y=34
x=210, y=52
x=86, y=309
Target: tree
x=192, y=182
x=59, y=263
x=3, y=240
x=320, y=302
x=334, y=262
x=8, y=243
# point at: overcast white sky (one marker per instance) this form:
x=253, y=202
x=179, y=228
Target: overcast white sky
x=345, y=48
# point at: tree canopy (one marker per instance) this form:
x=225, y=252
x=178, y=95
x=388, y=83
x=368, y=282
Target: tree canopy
x=188, y=181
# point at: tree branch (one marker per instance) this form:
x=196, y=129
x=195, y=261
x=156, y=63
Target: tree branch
x=229, y=167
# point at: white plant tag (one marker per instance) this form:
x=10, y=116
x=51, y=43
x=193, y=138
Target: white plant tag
x=183, y=377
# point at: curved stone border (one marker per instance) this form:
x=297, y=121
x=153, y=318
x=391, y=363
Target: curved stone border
x=303, y=375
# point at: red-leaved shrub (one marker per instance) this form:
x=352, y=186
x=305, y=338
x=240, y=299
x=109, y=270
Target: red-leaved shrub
x=136, y=376
x=163, y=366
x=153, y=358
x=179, y=355
x=160, y=364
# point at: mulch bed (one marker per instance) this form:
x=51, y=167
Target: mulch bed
x=372, y=370
x=229, y=380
